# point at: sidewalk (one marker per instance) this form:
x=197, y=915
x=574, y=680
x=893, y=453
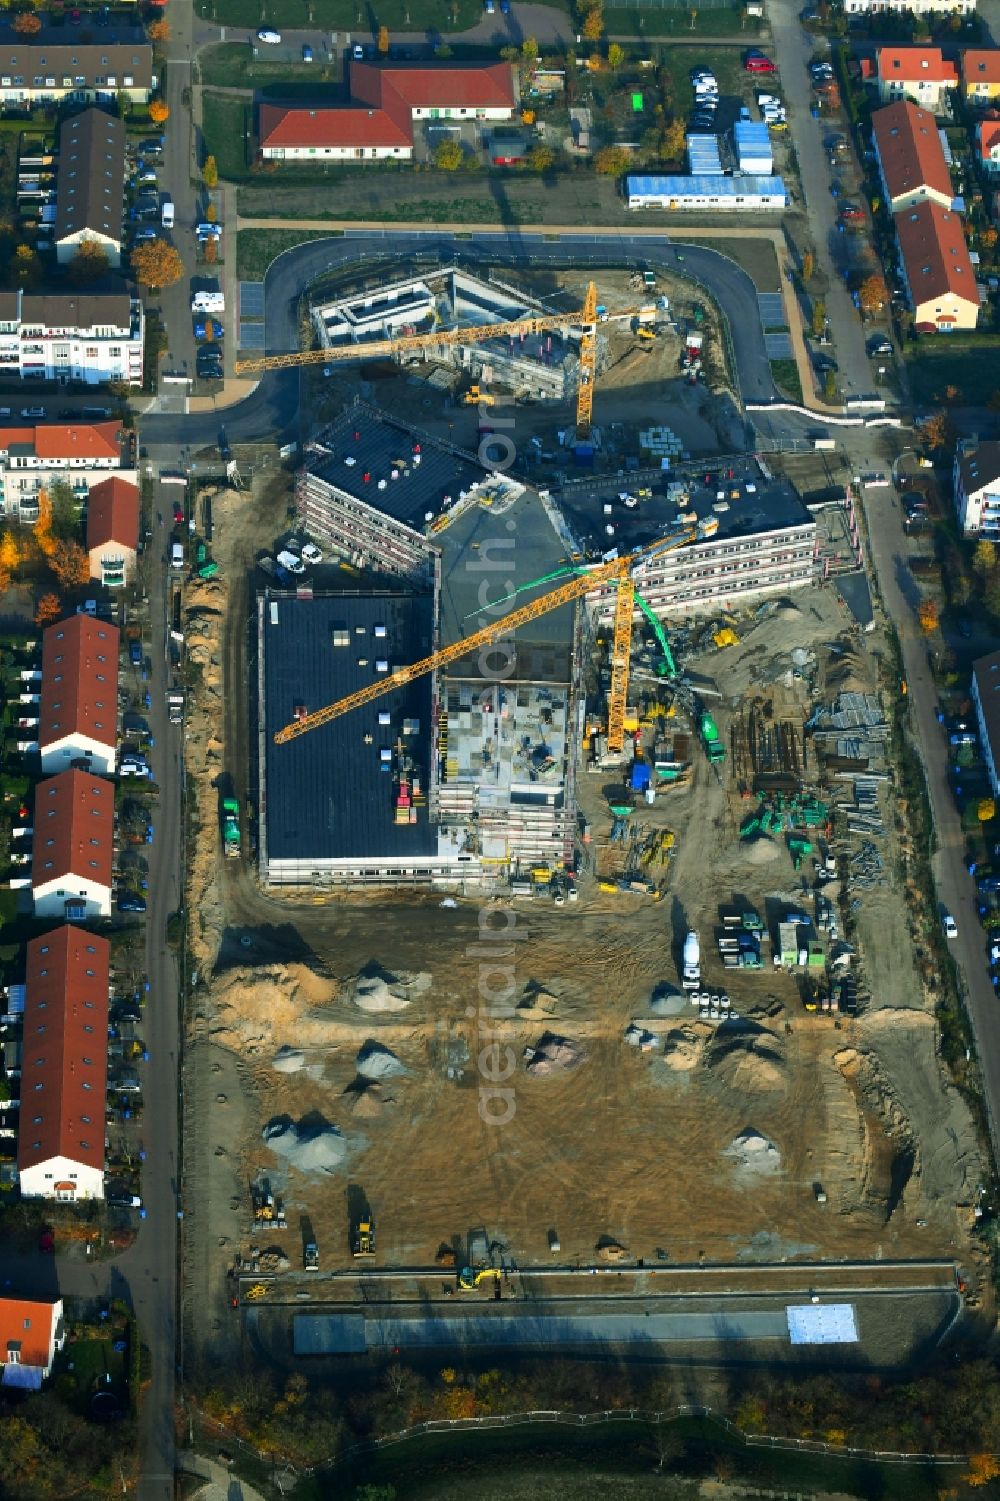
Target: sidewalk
x=221, y=1483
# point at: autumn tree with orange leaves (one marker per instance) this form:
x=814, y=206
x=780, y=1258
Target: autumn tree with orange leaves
x=49, y=609
x=69, y=563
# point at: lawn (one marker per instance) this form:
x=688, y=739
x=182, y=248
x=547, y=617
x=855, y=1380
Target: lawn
x=972, y=367
x=725, y=62
x=257, y=248
x=232, y=65
x=718, y=21
x=786, y=378
x=226, y=121
x=345, y=15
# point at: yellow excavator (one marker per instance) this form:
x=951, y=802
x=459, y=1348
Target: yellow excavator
x=476, y=397
x=469, y=1280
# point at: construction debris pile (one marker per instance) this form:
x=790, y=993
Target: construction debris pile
x=311, y=1149
x=552, y=1054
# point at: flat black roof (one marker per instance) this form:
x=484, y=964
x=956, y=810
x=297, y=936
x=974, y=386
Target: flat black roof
x=326, y=794
x=771, y=504
x=364, y=442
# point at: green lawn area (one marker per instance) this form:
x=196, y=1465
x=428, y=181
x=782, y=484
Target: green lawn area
x=725, y=62
x=676, y=21
x=786, y=378
x=232, y=65
x=257, y=248
x=345, y=15
x=973, y=367
x=226, y=120
x=92, y=1360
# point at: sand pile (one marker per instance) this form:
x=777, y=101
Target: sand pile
x=746, y=1057
x=684, y=1047
x=377, y=1062
x=668, y=1002
x=311, y=1149
x=761, y=851
x=553, y=1055
x=753, y=1153
x=256, y=1007
x=378, y=991
x=537, y=1004
x=288, y=1060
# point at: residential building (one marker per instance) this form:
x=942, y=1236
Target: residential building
x=981, y=75
x=936, y=269
x=94, y=337
x=79, y=695
x=739, y=194
x=387, y=100
x=113, y=531
x=903, y=7
x=42, y=72
x=31, y=458
x=917, y=73
x=73, y=849
x=988, y=143
x=910, y=156
x=32, y=1330
x=986, y=697
x=976, y=487
x=64, y=1066
x=90, y=185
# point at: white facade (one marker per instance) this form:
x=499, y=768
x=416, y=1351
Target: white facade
x=336, y=153
x=22, y=478
x=976, y=488
x=93, y=340
x=112, y=564
x=57, y=756
x=899, y=7
x=67, y=247
x=51, y=896
x=62, y=1179
x=711, y=194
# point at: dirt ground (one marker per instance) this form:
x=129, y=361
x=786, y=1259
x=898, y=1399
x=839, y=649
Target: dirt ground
x=631, y=1146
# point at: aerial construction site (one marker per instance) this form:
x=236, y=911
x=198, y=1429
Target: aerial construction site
x=570, y=923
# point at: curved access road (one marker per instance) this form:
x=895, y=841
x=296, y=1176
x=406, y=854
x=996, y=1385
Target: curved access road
x=272, y=409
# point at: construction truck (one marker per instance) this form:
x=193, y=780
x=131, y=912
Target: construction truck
x=710, y=739
x=691, y=963
x=231, y=828
x=363, y=1236
x=311, y=1257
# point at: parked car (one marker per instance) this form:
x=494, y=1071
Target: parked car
x=203, y=325
x=489, y=7
x=358, y=52
x=307, y=53
x=135, y=653
x=757, y=62
x=178, y=513
x=290, y=563
x=851, y=213
x=33, y=412
x=311, y=553
x=505, y=7
x=950, y=925
x=268, y=37
x=880, y=345
x=146, y=175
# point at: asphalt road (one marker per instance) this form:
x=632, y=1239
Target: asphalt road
x=272, y=408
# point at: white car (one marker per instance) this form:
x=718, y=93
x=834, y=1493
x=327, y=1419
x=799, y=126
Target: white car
x=311, y=553
x=272, y=38
x=290, y=562
x=950, y=926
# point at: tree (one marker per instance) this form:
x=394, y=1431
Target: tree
x=541, y=158
x=159, y=31
x=674, y=138
x=818, y=320
x=90, y=263
x=211, y=213
x=383, y=40
x=984, y=559
x=616, y=56
x=830, y=386
x=210, y=173
x=26, y=268
x=808, y=266
x=70, y=564
x=49, y=609
x=986, y=810
x=611, y=161
x=952, y=393
x=509, y=54
x=63, y=512
x=211, y=251
x=27, y=24
x=872, y=294
x=44, y=540
x=448, y=156
x=529, y=49
x=988, y=237
x=929, y=616
x=935, y=431
x=157, y=264
x=982, y=1469
x=159, y=112
x=593, y=24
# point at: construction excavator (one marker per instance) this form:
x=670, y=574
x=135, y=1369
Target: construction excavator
x=475, y=397
x=617, y=571
x=469, y=1278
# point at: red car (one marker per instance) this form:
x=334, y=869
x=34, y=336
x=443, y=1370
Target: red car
x=851, y=214
x=178, y=514
x=756, y=62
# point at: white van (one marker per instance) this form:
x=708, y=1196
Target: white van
x=167, y=214
x=176, y=555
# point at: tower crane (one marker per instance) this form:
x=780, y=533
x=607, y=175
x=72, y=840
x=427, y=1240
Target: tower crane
x=617, y=571
x=533, y=323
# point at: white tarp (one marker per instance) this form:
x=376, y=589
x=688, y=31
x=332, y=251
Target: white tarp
x=822, y=1324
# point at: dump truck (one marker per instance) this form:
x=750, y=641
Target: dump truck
x=709, y=730
x=231, y=828
x=363, y=1236
x=311, y=1257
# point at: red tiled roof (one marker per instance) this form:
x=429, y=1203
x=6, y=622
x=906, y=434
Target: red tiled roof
x=79, y=681
x=909, y=150
x=74, y=825
x=988, y=132
x=467, y=86
x=96, y=440
x=64, y=1059
x=113, y=514
x=280, y=126
x=30, y=1323
x=910, y=64
x=936, y=257
x=384, y=100
x=981, y=65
